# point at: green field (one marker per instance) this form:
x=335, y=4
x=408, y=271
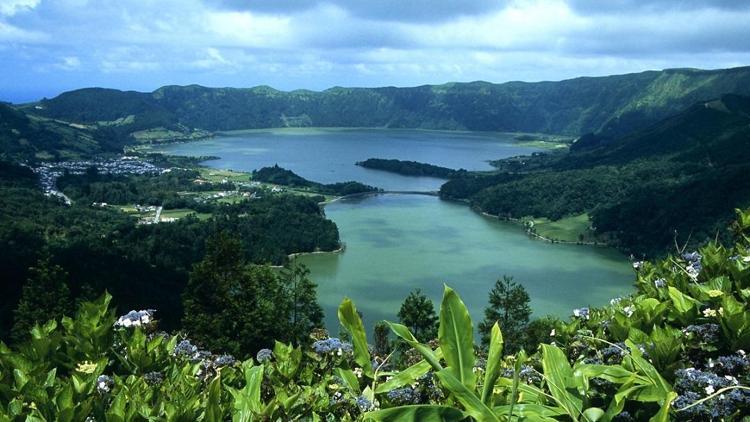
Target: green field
x=569, y=229
x=182, y=213
x=218, y=175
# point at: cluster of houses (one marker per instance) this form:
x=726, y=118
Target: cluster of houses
x=49, y=172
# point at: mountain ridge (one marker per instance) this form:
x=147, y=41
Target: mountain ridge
x=614, y=105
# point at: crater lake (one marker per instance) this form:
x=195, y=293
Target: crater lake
x=398, y=242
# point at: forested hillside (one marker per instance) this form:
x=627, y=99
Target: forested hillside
x=613, y=105
x=677, y=179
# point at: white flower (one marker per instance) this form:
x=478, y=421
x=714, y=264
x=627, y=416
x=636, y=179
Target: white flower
x=708, y=312
x=552, y=333
x=637, y=265
x=615, y=301
x=660, y=283
x=136, y=318
x=710, y=389
x=629, y=310
x=358, y=372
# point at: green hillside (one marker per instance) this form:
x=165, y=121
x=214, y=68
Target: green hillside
x=613, y=105
x=677, y=179
x=28, y=137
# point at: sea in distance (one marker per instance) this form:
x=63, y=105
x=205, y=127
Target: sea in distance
x=398, y=242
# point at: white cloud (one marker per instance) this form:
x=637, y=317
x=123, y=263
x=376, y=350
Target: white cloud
x=69, y=63
x=12, y=7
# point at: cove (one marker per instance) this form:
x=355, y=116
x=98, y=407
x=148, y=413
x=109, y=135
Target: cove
x=396, y=243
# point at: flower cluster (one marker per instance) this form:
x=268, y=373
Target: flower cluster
x=693, y=385
x=264, y=355
x=704, y=333
x=694, y=266
x=363, y=404
x=403, y=396
x=144, y=318
x=104, y=384
x=154, y=378
x=735, y=364
x=527, y=374
x=660, y=283
x=331, y=345
x=613, y=355
x=582, y=313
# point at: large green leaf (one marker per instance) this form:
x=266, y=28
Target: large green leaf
x=456, y=337
x=467, y=397
x=417, y=413
x=408, y=375
x=424, y=350
x=247, y=401
x=494, y=359
x=663, y=414
x=559, y=376
x=353, y=323
x=213, y=411
x=530, y=411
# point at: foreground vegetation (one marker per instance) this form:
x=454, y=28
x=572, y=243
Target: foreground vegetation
x=674, y=350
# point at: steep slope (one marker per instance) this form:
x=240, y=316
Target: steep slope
x=614, y=105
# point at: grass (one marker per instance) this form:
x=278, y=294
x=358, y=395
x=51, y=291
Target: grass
x=182, y=213
x=568, y=229
x=218, y=175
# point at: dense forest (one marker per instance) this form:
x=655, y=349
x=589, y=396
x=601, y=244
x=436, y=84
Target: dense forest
x=102, y=248
x=408, y=168
x=282, y=176
x=678, y=179
x=613, y=104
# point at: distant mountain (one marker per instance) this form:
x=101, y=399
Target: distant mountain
x=612, y=105
x=682, y=176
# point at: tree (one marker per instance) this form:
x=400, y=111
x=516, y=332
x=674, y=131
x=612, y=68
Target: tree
x=381, y=334
x=230, y=306
x=45, y=296
x=305, y=313
x=207, y=298
x=539, y=331
x=418, y=314
x=509, y=307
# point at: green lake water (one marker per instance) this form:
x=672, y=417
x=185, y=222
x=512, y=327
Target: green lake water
x=395, y=243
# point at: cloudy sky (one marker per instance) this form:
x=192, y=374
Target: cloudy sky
x=49, y=46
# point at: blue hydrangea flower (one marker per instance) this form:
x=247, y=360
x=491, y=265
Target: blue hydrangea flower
x=224, y=360
x=364, y=404
x=136, y=318
x=104, y=384
x=331, y=345
x=582, y=313
x=154, y=378
x=264, y=355
x=403, y=396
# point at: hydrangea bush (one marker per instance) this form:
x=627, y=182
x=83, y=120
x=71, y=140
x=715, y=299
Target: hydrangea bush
x=676, y=349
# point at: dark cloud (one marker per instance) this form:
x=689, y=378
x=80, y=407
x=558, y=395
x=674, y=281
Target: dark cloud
x=383, y=10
